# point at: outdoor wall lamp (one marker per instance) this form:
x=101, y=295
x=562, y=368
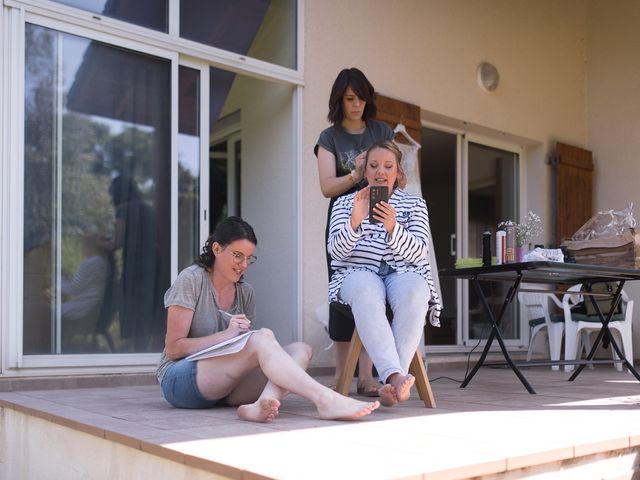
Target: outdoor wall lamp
x=488, y=77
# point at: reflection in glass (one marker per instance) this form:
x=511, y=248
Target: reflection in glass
x=493, y=198
x=438, y=181
x=152, y=14
x=262, y=29
x=225, y=145
x=218, y=200
x=188, y=166
x=97, y=186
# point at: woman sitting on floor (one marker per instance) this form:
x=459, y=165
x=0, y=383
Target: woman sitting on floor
x=209, y=303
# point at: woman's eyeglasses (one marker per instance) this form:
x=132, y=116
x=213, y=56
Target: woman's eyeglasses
x=239, y=258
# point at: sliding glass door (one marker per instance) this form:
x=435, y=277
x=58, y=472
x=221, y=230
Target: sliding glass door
x=470, y=185
x=492, y=197
x=97, y=236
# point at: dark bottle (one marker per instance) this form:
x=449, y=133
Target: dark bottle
x=486, y=249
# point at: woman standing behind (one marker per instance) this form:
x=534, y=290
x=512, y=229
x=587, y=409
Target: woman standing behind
x=209, y=303
x=340, y=151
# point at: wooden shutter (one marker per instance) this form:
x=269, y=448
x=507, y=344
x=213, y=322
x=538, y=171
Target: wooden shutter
x=574, y=190
x=393, y=112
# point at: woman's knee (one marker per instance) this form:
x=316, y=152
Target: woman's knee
x=363, y=285
x=261, y=338
x=413, y=296
x=300, y=350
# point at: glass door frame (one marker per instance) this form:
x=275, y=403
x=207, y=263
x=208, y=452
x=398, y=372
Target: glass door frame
x=455, y=241
x=203, y=226
x=13, y=15
x=12, y=333
x=460, y=244
x=463, y=238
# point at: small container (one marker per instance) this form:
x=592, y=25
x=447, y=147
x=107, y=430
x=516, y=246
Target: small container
x=486, y=249
x=510, y=244
x=501, y=240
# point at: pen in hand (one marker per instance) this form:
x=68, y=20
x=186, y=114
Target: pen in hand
x=239, y=321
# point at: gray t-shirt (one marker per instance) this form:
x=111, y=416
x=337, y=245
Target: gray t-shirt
x=193, y=290
x=347, y=146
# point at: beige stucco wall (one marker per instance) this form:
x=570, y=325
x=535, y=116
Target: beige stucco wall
x=426, y=52
x=30, y=449
x=613, y=110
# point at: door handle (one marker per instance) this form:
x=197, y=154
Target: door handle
x=452, y=244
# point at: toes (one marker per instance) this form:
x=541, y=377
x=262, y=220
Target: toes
x=388, y=395
x=404, y=390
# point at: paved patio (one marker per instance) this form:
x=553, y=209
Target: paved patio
x=492, y=429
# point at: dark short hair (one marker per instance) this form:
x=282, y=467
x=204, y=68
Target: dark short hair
x=227, y=232
x=354, y=78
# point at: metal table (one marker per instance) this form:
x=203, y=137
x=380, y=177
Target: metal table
x=550, y=273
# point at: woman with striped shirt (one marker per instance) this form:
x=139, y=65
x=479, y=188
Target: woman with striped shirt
x=387, y=262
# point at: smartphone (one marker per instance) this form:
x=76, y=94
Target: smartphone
x=377, y=194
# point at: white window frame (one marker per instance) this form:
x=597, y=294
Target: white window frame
x=13, y=16
x=203, y=108
x=171, y=41
x=14, y=338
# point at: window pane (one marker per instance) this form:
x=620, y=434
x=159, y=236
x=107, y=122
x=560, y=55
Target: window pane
x=493, y=198
x=152, y=14
x=219, y=177
x=262, y=29
x=97, y=189
x=438, y=181
x=188, y=166
x=225, y=145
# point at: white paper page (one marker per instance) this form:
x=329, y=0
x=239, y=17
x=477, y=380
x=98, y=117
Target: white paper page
x=233, y=345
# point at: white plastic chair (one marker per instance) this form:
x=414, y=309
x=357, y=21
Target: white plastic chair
x=580, y=324
x=541, y=320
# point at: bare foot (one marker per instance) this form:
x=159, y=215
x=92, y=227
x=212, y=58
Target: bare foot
x=334, y=406
x=388, y=396
x=402, y=385
x=263, y=411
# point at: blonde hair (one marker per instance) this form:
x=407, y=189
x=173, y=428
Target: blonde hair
x=388, y=145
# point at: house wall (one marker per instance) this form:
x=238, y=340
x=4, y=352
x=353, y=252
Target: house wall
x=426, y=52
x=613, y=110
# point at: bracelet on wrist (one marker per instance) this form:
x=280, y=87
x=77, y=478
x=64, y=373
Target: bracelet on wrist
x=353, y=177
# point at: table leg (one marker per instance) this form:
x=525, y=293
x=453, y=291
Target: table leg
x=605, y=331
x=495, y=332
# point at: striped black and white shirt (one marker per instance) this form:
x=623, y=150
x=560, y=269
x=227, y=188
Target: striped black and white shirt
x=406, y=249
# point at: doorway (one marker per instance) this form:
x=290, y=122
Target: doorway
x=470, y=185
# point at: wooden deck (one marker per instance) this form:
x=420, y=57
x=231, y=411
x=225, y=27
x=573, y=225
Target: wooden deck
x=589, y=428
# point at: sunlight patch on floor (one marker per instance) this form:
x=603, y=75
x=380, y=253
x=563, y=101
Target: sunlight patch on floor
x=626, y=400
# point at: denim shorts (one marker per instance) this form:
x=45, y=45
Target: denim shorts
x=181, y=390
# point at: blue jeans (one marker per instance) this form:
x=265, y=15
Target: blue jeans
x=391, y=347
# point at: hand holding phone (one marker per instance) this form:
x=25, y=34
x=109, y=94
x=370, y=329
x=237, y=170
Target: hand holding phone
x=377, y=194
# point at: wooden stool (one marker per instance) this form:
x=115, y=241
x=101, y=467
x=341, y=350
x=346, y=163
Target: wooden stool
x=416, y=368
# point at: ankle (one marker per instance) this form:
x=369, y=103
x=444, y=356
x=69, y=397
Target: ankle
x=393, y=378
